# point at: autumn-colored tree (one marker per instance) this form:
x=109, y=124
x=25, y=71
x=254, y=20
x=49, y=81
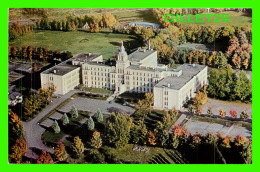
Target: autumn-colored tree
x=31, y=104
x=225, y=142
x=198, y=109
x=195, y=141
x=77, y=147
x=15, y=124
x=18, y=150
x=44, y=158
x=109, y=20
x=222, y=113
x=93, y=27
x=240, y=140
x=178, y=130
x=73, y=26
x=200, y=98
x=60, y=152
x=145, y=105
x=96, y=140
x=151, y=138
x=233, y=113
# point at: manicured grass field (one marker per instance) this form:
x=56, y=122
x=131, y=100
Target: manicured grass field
x=76, y=42
x=236, y=19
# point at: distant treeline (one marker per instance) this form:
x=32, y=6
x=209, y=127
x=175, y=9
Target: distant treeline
x=93, y=22
x=16, y=30
x=37, y=53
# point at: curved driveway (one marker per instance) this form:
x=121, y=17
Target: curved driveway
x=33, y=131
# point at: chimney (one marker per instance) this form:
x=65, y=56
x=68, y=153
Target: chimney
x=169, y=85
x=54, y=71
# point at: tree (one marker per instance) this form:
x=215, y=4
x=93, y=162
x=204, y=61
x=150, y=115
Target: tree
x=233, y=113
x=244, y=116
x=190, y=109
x=209, y=111
x=240, y=140
x=200, y=98
x=60, y=152
x=198, y=109
x=56, y=127
x=15, y=125
x=151, y=138
x=74, y=112
x=65, y=120
x=145, y=105
x=195, y=141
x=118, y=129
x=90, y=123
x=109, y=20
x=96, y=141
x=139, y=133
x=99, y=116
x=18, y=150
x=44, y=158
x=222, y=113
x=77, y=147
x=174, y=141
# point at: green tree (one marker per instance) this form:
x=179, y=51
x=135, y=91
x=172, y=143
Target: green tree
x=99, y=116
x=65, y=120
x=56, y=127
x=74, y=112
x=209, y=111
x=244, y=116
x=118, y=129
x=90, y=124
x=139, y=133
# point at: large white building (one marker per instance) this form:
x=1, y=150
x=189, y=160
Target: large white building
x=138, y=72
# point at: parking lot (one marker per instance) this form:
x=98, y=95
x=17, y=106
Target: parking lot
x=91, y=105
x=204, y=127
x=216, y=105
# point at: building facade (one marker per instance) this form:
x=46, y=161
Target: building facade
x=138, y=72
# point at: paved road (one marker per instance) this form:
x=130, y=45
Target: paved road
x=33, y=131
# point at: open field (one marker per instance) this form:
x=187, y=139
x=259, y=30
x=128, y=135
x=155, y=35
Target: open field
x=76, y=42
x=62, y=13
x=236, y=19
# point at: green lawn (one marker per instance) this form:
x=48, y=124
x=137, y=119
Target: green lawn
x=76, y=42
x=98, y=90
x=236, y=19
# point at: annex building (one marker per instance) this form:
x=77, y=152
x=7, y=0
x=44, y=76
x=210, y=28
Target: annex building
x=138, y=72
